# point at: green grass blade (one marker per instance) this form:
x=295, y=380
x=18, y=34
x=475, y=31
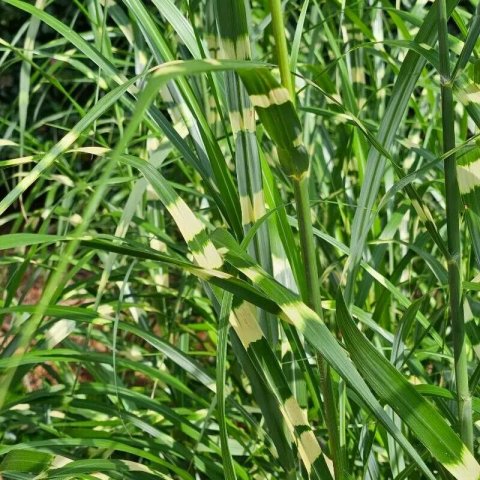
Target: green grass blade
x=419, y=415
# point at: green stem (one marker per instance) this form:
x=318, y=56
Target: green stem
x=307, y=242
x=281, y=46
x=452, y=195
x=314, y=300
x=307, y=245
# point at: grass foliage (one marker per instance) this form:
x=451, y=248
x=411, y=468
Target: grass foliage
x=239, y=239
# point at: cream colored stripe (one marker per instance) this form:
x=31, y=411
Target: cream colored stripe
x=310, y=449
x=258, y=205
x=187, y=222
x=244, y=322
x=208, y=257
x=276, y=96
x=469, y=94
x=468, y=176
x=238, y=49
x=247, y=210
x=308, y=445
x=243, y=121
x=190, y=227
x=467, y=469
x=295, y=414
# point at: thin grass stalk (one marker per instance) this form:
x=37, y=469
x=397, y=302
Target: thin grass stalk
x=452, y=195
x=307, y=245
x=281, y=46
x=307, y=242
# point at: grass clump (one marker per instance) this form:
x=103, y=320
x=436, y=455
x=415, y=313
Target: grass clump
x=229, y=247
